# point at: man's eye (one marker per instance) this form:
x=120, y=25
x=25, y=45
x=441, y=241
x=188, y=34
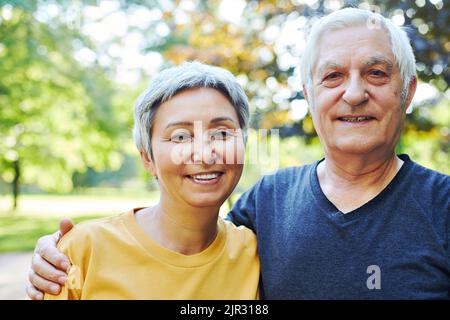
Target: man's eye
x=377, y=73
x=221, y=135
x=332, y=80
x=332, y=76
x=181, y=137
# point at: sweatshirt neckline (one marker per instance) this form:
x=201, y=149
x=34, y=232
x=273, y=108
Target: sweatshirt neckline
x=171, y=257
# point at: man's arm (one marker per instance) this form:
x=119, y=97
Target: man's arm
x=244, y=210
x=48, y=266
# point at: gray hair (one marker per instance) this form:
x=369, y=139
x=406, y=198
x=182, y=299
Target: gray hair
x=400, y=45
x=172, y=81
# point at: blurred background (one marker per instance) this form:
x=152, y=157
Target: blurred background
x=70, y=72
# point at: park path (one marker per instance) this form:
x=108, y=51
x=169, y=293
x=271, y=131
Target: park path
x=13, y=275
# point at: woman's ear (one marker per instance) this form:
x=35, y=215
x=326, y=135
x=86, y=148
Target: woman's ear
x=148, y=163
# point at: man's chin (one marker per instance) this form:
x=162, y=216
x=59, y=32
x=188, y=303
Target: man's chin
x=357, y=147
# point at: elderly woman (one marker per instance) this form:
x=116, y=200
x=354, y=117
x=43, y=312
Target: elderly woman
x=190, y=126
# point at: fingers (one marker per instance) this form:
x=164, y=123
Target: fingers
x=45, y=270
x=42, y=284
x=44, y=275
x=33, y=293
x=46, y=248
x=65, y=225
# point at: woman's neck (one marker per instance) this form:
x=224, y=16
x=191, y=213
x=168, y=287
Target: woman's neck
x=181, y=228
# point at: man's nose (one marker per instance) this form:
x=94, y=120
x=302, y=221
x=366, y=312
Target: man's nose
x=355, y=93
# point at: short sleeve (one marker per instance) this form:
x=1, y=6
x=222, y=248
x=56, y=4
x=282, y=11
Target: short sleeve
x=244, y=211
x=76, y=245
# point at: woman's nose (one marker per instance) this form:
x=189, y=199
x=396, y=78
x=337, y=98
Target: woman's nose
x=204, y=153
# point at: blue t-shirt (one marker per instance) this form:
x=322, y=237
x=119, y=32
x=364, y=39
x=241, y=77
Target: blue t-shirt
x=396, y=246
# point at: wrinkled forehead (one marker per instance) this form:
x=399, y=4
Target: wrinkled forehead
x=338, y=46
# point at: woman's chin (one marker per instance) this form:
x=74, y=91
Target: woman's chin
x=204, y=201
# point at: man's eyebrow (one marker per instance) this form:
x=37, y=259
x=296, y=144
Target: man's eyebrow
x=380, y=60
x=328, y=65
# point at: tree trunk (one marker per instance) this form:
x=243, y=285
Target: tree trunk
x=16, y=183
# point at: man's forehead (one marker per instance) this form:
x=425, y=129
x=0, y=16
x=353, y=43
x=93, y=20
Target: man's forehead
x=343, y=43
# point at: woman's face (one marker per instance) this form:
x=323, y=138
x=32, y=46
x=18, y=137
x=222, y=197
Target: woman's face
x=198, y=148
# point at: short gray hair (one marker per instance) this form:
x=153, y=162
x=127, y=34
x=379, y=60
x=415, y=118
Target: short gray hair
x=400, y=45
x=172, y=81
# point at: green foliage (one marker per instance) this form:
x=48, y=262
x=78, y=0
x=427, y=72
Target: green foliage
x=428, y=141
x=56, y=113
x=266, y=152
x=269, y=68
x=64, y=119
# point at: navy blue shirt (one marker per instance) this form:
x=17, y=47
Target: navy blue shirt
x=396, y=246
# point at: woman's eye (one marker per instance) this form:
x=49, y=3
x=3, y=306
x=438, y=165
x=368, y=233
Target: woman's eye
x=221, y=135
x=181, y=137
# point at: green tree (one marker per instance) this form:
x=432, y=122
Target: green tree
x=56, y=113
x=60, y=115
x=253, y=49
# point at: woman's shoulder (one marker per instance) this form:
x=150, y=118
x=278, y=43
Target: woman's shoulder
x=238, y=234
x=84, y=233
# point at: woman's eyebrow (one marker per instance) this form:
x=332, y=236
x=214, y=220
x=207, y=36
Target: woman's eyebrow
x=191, y=124
x=178, y=124
x=221, y=119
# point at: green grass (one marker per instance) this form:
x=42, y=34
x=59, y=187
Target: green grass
x=39, y=215
x=20, y=233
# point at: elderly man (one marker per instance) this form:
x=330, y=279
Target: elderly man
x=362, y=223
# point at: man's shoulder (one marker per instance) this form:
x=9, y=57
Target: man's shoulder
x=289, y=174
x=429, y=187
x=424, y=176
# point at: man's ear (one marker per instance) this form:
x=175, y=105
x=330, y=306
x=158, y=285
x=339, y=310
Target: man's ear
x=411, y=91
x=148, y=163
x=305, y=93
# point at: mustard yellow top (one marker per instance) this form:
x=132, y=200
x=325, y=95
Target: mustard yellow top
x=113, y=258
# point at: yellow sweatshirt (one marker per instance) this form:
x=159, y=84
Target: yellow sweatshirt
x=113, y=258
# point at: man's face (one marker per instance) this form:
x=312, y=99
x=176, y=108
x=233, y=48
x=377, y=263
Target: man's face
x=356, y=92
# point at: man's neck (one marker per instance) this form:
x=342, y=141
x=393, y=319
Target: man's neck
x=182, y=229
x=349, y=182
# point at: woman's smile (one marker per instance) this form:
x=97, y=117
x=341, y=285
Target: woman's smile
x=206, y=178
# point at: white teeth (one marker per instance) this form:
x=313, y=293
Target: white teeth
x=206, y=176
x=355, y=119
